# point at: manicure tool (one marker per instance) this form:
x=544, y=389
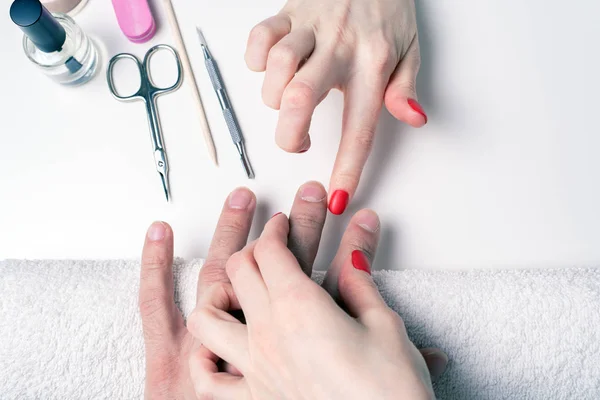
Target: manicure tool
x=187, y=69
x=148, y=93
x=135, y=19
x=219, y=86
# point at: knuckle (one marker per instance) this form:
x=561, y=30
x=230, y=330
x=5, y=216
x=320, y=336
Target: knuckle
x=213, y=271
x=234, y=263
x=264, y=247
x=407, y=86
x=365, y=138
x=299, y=95
x=348, y=178
x=261, y=33
x=203, y=316
x=381, y=56
x=230, y=227
x=307, y=220
x=151, y=303
x=298, y=293
x=290, y=143
x=155, y=261
x=389, y=319
x=415, y=55
x=282, y=55
x=360, y=243
x=165, y=375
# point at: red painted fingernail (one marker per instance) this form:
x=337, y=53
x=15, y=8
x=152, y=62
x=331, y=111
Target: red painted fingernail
x=417, y=107
x=276, y=214
x=360, y=261
x=302, y=151
x=338, y=202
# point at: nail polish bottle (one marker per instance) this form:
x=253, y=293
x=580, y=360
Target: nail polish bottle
x=55, y=43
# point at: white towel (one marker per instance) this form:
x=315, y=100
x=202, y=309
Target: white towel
x=71, y=329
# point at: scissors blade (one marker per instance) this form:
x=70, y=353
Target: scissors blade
x=165, y=182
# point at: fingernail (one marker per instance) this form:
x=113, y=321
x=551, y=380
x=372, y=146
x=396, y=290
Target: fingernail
x=276, y=214
x=360, y=261
x=417, y=107
x=157, y=231
x=369, y=221
x=305, y=145
x=313, y=193
x=338, y=202
x=240, y=199
x=437, y=363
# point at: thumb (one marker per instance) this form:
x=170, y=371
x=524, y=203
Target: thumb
x=436, y=361
x=357, y=290
x=400, y=94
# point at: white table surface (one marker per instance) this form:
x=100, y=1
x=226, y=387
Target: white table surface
x=505, y=174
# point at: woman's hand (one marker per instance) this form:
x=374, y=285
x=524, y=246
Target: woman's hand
x=369, y=49
x=297, y=343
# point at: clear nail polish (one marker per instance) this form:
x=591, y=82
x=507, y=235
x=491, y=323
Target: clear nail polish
x=55, y=43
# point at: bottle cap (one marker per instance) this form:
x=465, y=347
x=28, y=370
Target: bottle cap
x=39, y=25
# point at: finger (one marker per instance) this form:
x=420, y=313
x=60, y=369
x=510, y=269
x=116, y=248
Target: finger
x=362, y=106
x=307, y=219
x=209, y=383
x=230, y=236
x=278, y=266
x=436, y=361
x=222, y=334
x=306, y=90
x=358, y=292
x=161, y=319
x=248, y=283
x=361, y=234
x=221, y=296
x=283, y=61
x=401, y=94
x=264, y=36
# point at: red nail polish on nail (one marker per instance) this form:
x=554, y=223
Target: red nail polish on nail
x=417, y=107
x=276, y=214
x=338, y=202
x=360, y=261
x=302, y=151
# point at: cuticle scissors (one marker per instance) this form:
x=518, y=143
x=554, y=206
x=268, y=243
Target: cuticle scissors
x=148, y=92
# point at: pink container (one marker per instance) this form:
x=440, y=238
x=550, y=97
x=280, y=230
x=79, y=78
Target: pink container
x=135, y=19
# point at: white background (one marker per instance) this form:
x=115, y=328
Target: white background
x=504, y=175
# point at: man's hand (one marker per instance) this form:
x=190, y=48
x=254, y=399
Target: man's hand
x=168, y=343
x=367, y=49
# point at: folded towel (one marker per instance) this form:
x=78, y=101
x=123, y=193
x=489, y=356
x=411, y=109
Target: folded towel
x=71, y=329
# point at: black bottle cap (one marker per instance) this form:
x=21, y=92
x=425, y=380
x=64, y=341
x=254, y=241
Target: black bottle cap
x=39, y=25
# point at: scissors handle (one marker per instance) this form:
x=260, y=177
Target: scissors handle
x=110, y=76
x=147, y=70
x=147, y=90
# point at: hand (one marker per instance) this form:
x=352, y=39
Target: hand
x=297, y=343
x=168, y=343
x=367, y=49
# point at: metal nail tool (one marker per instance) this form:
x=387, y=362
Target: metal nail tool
x=148, y=93
x=232, y=124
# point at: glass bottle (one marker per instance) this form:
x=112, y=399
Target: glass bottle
x=55, y=43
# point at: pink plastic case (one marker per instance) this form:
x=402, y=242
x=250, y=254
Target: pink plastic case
x=135, y=19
